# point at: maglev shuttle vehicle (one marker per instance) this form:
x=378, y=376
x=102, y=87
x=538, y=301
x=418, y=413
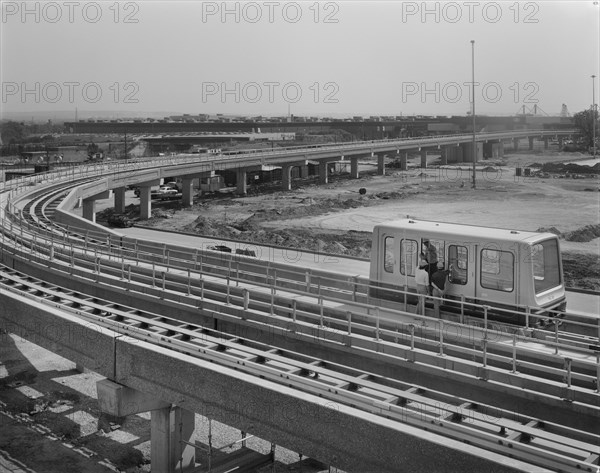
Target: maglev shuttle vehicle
x=502, y=268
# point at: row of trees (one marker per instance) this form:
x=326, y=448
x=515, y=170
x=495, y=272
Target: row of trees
x=584, y=122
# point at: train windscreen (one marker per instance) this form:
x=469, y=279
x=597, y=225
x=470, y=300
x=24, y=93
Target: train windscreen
x=546, y=265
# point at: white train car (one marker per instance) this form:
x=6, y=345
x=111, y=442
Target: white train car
x=503, y=268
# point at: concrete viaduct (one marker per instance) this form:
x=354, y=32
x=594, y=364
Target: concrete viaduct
x=453, y=148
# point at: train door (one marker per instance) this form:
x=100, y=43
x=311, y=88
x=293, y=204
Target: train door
x=461, y=280
x=408, y=261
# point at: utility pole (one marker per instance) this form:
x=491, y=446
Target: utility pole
x=594, y=116
x=473, y=107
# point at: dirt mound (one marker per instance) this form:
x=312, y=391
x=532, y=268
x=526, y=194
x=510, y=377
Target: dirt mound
x=581, y=271
x=571, y=168
x=583, y=234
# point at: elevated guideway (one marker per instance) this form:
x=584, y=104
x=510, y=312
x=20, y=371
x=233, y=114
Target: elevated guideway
x=248, y=338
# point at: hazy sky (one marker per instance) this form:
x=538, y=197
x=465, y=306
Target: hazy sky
x=318, y=58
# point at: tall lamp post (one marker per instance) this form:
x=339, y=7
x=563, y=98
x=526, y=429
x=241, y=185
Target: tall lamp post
x=594, y=115
x=473, y=106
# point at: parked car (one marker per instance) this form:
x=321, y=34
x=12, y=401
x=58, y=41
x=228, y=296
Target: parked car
x=168, y=194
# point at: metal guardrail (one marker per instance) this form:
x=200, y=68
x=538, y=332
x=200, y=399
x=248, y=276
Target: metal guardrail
x=134, y=264
x=482, y=425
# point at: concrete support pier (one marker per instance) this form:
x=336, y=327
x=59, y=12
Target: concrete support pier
x=89, y=209
x=187, y=191
x=423, y=159
x=119, y=193
x=530, y=138
x=454, y=154
x=467, y=152
x=323, y=176
x=89, y=205
x=241, y=179
x=516, y=144
x=304, y=171
x=444, y=156
x=403, y=155
x=145, y=203
x=286, y=177
x=171, y=427
x=381, y=164
x=353, y=168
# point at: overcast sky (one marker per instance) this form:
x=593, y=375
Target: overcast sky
x=325, y=58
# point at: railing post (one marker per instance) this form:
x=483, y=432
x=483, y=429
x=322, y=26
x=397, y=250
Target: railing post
x=246, y=294
x=462, y=308
x=514, y=353
x=307, y=280
x=349, y=319
x=228, y=290
x=441, y=325
x=485, y=319
x=377, y=323
x=568, y=368
x=162, y=296
x=484, y=344
x=527, y=315
x=321, y=310
x=598, y=372
x=412, y=336
x=556, y=337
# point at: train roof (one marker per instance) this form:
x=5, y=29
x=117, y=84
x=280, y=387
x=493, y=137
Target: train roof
x=460, y=231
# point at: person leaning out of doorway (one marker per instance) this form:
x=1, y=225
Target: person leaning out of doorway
x=422, y=282
x=438, y=283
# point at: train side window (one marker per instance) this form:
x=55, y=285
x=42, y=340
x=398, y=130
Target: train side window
x=408, y=257
x=497, y=270
x=458, y=257
x=388, y=261
x=546, y=266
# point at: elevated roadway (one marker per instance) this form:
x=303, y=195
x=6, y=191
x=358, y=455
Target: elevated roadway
x=247, y=339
